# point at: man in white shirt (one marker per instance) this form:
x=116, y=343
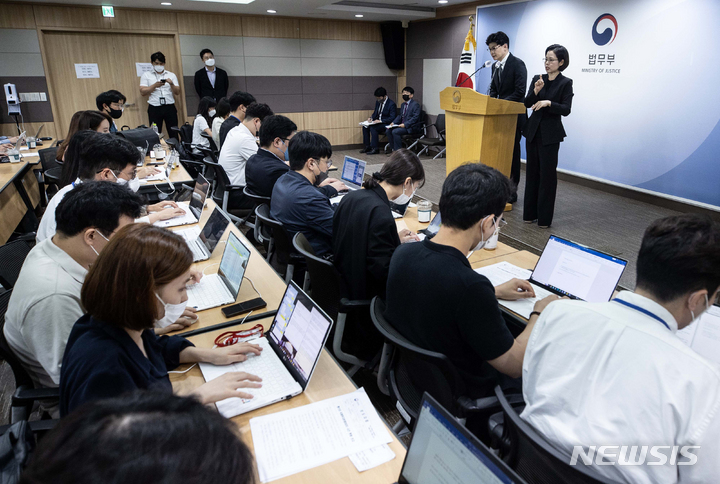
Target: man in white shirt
x=161, y=86
x=45, y=302
x=106, y=158
x=239, y=146
x=606, y=377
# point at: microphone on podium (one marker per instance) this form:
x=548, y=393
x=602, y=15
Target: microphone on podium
x=487, y=63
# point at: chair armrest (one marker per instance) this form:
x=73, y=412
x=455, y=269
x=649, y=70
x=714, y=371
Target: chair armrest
x=488, y=403
x=29, y=237
x=35, y=426
x=234, y=187
x=347, y=305
x=24, y=396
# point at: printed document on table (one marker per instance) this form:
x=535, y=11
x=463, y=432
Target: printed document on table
x=703, y=336
x=501, y=273
x=367, y=459
x=295, y=440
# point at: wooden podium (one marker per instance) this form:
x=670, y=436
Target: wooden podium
x=479, y=128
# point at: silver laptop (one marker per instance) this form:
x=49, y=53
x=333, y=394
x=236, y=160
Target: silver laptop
x=353, y=173
x=291, y=350
x=194, y=209
x=222, y=288
x=202, y=243
x=441, y=446
x=566, y=268
x=37, y=135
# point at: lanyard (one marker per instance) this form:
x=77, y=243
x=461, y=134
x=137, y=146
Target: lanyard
x=232, y=337
x=644, y=311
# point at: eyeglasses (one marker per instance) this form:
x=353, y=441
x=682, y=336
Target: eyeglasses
x=548, y=61
x=492, y=49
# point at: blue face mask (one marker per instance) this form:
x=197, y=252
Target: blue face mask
x=285, y=152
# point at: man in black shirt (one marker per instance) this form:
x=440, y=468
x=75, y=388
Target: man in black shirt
x=439, y=303
x=239, y=102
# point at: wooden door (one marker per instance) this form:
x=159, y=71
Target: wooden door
x=116, y=55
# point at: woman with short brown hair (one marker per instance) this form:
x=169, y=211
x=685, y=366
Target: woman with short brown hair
x=139, y=278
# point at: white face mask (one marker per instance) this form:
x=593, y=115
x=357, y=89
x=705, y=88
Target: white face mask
x=707, y=306
x=133, y=184
x=482, y=242
x=158, y=68
x=93, y=248
x=402, y=199
x=212, y=112
x=210, y=62
x=172, y=313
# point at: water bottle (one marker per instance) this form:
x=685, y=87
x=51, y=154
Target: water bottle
x=154, y=128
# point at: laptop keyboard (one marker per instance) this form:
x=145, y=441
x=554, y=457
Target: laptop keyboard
x=208, y=293
x=277, y=382
x=191, y=237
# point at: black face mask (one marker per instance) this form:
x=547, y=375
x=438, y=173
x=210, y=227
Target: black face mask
x=406, y=97
x=115, y=113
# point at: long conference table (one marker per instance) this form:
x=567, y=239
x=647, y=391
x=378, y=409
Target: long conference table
x=20, y=191
x=329, y=379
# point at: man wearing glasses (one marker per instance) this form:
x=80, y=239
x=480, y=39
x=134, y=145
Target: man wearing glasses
x=111, y=102
x=297, y=203
x=509, y=80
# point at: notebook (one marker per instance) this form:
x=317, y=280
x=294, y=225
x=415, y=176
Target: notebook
x=291, y=350
x=202, y=243
x=193, y=209
x=353, y=173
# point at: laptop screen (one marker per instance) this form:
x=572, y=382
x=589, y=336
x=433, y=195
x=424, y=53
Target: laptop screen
x=300, y=330
x=578, y=271
x=442, y=450
x=435, y=224
x=353, y=170
x=197, y=200
x=233, y=264
x=214, y=230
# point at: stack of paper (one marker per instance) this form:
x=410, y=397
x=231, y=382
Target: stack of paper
x=295, y=440
x=501, y=273
x=366, y=123
x=704, y=335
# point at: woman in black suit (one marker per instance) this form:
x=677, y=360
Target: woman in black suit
x=549, y=97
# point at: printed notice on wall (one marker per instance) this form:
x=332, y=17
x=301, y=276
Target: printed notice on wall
x=87, y=71
x=141, y=67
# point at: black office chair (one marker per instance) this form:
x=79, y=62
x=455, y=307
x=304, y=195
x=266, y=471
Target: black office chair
x=438, y=142
x=263, y=232
x=49, y=179
x=12, y=257
x=411, y=139
x=325, y=283
x=257, y=201
x=412, y=370
x=222, y=190
x=207, y=152
x=213, y=146
x=537, y=460
x=281, y=255
x=25, y=394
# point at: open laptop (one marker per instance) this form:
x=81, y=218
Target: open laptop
x=194, y=209
x=440, y=444
x=222, y=288
x=37, y=135
x=291, y=350
x=353, y=173
x=566, y=268
x=431, y=229
x=202, y=243
x=398, y=211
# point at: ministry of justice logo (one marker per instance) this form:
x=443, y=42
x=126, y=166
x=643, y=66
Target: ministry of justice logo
x=606, y=36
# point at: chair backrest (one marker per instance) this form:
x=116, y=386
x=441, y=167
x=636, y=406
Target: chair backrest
x=22, y=378
x=440, y=123
x=47, y=158
x=537, y=460
x=263, y=231
x=324, y=278
x=216, y=173
x=415, y=370
x=208, y=137
x=179, y=147
x=186, y=132
x=207, y=152
x=282, y=242
x=258, y=199
x=12, y=257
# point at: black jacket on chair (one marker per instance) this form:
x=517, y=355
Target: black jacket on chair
x=560, y=93
x=512, y=84
x=203, y=87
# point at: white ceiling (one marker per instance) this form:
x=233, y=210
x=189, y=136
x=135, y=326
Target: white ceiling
x=374, y=10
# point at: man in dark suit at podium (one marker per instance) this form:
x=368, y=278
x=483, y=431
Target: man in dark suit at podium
x=385, y=112
x=509, y=80
x=210, y=81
